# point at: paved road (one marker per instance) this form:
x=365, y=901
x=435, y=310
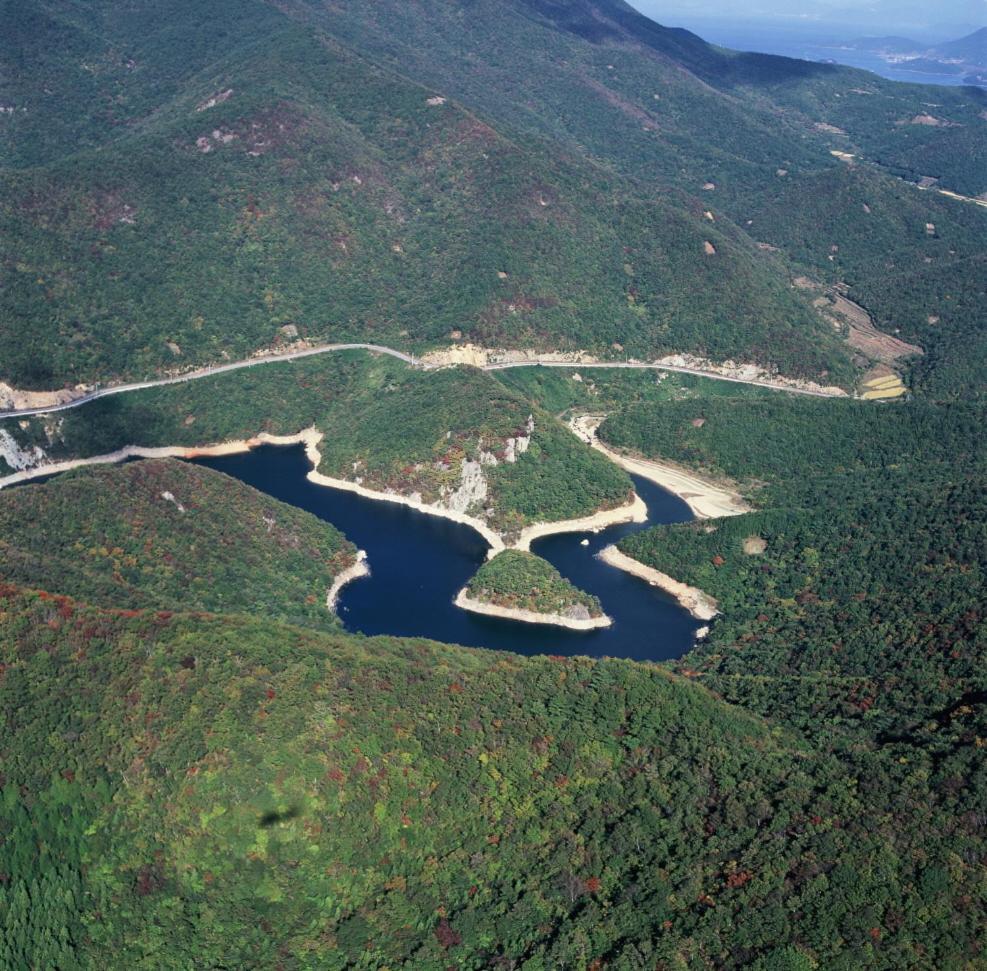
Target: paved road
x=206, y=373
x=643, y=366
x=379, y=349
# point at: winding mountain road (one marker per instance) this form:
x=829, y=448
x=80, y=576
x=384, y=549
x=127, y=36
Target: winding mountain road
x=207, y=372
x=401, y=356
x=646, y=366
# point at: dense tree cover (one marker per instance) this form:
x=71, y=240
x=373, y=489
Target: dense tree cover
x=213, y=180
x=885, y=595
x=166, y=534
x=384, y=424
x=233, y=195
x=660, y=102
x=602, y=390
x=747, y=136
x=783, y=439
x=185, y=790
x=863, y=570
x=192, y=791
x=527, y=582
x=852, y=600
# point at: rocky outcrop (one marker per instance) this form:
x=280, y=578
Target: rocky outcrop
x=19, y=457
x=472, y=488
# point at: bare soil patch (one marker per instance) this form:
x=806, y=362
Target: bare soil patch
x=862, y=335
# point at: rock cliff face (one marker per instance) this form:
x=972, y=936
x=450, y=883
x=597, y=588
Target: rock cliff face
x=472, y=488
x=16, y=456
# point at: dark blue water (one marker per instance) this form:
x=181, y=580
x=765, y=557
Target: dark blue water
x=420, y=562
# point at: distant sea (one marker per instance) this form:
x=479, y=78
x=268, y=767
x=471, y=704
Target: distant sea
x=810, y=44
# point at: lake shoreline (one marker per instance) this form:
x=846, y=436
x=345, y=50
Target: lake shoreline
x=698, y=603
x=634, y=511
x=705, y=498
x=465, y=602
x=311, y=438
x=359, y=569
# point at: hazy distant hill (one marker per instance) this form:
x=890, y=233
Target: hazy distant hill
x=972, y=49
x=963, y=54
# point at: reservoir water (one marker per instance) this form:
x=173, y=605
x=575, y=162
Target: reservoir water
x=419, y=563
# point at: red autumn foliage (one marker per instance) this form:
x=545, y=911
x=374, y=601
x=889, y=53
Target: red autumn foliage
x=739, y=878
x=592, y=884
x=445, y=935
x=148, y=880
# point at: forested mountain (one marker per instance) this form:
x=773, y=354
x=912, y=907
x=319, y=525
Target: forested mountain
x=200, y=768
x=193, y=181
x=856, y=590
x=178, y=795
x=165, y=534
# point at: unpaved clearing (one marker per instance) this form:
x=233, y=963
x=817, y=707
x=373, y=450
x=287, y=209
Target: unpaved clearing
x=861, y=332
x=881, y=383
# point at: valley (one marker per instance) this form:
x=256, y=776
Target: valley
x=485, y=484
